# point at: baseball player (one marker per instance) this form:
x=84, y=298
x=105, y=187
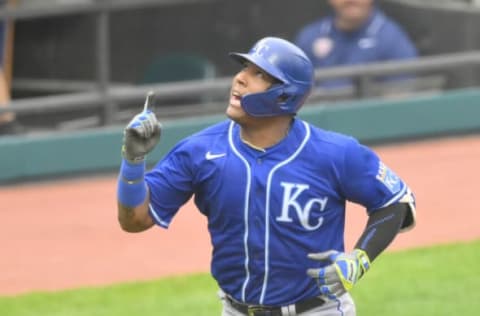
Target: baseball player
x=273, y=189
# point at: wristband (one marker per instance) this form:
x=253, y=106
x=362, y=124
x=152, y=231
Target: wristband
x=131, y=189
x=132, y=160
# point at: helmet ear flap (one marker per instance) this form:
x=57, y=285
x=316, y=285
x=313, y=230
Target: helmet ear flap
x=287, y=94
x=282, y=93
x=282, y=98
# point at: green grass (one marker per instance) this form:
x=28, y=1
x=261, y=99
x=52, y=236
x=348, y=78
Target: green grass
x=434, y=281
x=187, y=295
x=429, y=281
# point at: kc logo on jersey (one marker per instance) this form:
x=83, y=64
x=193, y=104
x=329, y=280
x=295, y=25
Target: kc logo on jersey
x=291, y=191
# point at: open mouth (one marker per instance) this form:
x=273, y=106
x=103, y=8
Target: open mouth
x=236, y=95
x=235, y=98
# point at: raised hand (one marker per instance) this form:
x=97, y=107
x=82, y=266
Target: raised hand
x=342, y=274
x=142, y=134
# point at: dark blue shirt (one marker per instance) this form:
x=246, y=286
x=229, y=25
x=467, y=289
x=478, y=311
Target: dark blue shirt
x=378, y=39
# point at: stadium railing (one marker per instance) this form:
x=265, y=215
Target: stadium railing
x=110, y=98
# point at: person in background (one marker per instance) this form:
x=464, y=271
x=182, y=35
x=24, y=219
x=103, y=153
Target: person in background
x=356, y=32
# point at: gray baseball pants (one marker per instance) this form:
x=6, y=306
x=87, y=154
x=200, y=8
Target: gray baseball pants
x=344, y=306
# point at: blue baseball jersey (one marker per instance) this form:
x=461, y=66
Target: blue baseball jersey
x=379, y=39
x=268, y=209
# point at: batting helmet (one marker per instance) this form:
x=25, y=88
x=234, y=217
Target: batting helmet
x=290, y=66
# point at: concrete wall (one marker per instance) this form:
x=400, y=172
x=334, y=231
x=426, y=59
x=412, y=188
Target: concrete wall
x=374, y=121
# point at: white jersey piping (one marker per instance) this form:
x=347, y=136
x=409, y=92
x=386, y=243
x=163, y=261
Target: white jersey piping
x=246, y=209
x=267, y=207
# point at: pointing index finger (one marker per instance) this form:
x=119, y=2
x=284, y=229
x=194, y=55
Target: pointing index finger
x=148, y=101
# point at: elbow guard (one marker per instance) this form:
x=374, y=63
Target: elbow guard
x=410, y=218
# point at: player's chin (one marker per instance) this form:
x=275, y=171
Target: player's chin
x=235, y=112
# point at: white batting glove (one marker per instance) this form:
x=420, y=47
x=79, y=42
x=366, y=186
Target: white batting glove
x=142, y=134
x=342, y=274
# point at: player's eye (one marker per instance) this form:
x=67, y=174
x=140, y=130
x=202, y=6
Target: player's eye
x=261, y=74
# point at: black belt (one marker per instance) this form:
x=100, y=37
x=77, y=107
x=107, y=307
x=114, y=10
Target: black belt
x=259, y=310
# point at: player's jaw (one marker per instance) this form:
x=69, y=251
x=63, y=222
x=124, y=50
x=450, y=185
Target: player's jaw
x=234, y=110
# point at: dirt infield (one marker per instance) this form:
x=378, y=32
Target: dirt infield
x=64, y=234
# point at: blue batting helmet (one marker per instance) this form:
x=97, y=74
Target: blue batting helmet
x=290, y=66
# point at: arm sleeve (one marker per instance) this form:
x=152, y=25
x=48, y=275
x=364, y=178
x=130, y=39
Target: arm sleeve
x=382, y=227
x=389, y=201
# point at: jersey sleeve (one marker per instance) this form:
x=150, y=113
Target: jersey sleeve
x=366, y=180
x=170, y=184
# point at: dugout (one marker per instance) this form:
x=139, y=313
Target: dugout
x=85, y=60
x=63, y=47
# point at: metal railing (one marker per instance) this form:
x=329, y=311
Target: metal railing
x=102, y=10
x=125, y=93
x=457, y=5
x=39, y=10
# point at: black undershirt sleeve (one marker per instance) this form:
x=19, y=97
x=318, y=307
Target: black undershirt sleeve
x=382, y=227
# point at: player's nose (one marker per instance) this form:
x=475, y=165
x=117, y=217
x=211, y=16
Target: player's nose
x=241, y=78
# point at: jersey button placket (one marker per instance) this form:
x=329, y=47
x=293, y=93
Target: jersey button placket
x=257, y=231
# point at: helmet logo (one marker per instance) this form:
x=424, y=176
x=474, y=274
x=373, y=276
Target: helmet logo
x=260, y=49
